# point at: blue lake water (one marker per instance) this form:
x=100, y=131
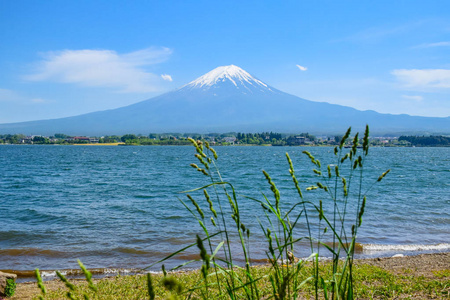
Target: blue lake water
x=118, y=207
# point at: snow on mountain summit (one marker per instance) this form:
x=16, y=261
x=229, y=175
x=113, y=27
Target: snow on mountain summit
x=237, y=76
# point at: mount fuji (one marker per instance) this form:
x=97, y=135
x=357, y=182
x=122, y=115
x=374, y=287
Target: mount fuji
x=229, y=99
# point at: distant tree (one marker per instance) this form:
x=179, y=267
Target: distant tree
x=60, y=135
x=432, y=141
x=40, y=140
x=127, y=137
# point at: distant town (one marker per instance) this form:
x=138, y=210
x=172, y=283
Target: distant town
x=243, y=139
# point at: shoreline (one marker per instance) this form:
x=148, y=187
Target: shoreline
x=230, y=145
x=363, y=252
x=421, y=265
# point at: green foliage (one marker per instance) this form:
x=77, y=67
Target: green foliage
x=127, y=137
x=10, y=288
x=429, y=141
x=262, y=138
x=110, y=139
x=40, y=284
x=40, y=140
x=61, y=135
x=12, y=138
x=371, y=282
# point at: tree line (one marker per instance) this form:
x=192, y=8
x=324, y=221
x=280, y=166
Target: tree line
x=231, y=138
x=427, y=141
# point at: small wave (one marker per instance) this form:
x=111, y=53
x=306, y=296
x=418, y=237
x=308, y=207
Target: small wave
x=173, y=217
x=358, y=247
x=411, y=247
x=31, y=252
x=72, y=273
x=132, y=251
x=144, y=196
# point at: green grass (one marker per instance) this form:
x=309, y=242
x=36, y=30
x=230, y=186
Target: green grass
x=10, y=287
x=371, y=282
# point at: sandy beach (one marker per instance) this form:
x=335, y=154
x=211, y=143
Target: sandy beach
x=426, y=265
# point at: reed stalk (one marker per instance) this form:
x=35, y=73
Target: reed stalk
x=340, y=184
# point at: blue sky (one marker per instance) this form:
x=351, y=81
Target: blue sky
x=65, y=58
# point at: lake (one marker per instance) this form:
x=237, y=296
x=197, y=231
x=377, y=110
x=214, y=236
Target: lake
x=118, y=207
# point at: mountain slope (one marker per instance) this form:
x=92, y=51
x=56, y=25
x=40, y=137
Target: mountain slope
x=229, y=99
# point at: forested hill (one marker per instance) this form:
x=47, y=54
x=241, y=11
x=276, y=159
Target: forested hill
x=427, y=141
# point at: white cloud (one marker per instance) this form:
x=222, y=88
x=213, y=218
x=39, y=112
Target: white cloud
x=103, y=68
x=426, y=78
x=302, y=68
x=432, y=45
x=166, y=77
x=8, y=95
x=380, y=33
x=415, y=98
x=12, y=96
x=38, y=100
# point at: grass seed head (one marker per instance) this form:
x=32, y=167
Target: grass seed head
x=193, y=142
x=69, y=285
x=345, y=137
x=317, y=162
x=200, y=212
x=203, y=254
x=345, y=157
x=211, y=149
x=383, y=175
x=40, y=283
x=366, y=140
x=320, y=210
x=203, y=171
x=273, y=188
x=151, y=289
x=208, y=199
x=361, y=211
x=214, y=153
x=344, y=186
x=320, y=185
x=355, y=143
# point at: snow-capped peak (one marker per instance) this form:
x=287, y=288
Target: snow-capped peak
x=232, y=73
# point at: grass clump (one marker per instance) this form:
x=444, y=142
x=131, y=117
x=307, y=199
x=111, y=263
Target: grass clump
x=333, y=232
x=371, y=282
x=225, y=255
x=10, y=287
